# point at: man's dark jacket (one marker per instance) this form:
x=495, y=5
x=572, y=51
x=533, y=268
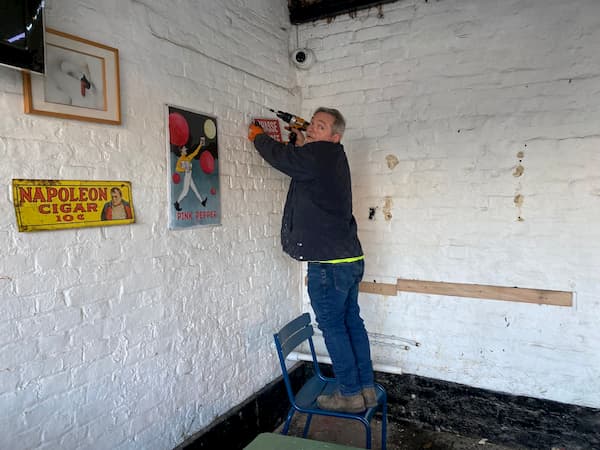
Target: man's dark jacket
x=317, y=224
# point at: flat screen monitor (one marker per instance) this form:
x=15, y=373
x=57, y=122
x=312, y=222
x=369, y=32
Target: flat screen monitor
x=22, y=34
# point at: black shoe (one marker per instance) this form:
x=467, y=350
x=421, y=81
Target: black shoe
x=203, y=202
x=177, y=207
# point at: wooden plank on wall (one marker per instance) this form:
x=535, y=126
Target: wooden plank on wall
x=378, y=288
x=513, y=294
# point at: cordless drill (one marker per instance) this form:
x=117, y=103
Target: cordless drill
x=295, y=122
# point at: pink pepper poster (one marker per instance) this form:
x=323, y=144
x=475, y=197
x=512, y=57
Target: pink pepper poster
x=193, y=156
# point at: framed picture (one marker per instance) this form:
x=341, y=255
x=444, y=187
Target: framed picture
x=193, y=169
x=81, y=81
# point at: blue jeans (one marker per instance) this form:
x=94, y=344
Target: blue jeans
x=333, y=291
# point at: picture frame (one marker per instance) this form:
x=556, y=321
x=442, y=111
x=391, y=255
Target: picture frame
x=81, y=81
x=194, y=188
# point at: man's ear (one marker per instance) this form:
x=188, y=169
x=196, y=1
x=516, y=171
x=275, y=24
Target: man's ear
x=336, y=138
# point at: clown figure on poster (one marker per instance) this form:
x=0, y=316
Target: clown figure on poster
x=184, y=165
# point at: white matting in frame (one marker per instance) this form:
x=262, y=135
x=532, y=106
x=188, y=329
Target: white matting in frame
x=81, y=81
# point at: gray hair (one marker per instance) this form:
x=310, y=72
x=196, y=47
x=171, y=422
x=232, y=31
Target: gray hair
x=339, y=123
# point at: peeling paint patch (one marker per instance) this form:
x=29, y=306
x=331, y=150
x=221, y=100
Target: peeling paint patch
x=387, y=208
x=518, y=171
x=392, y=161
x=519, y=199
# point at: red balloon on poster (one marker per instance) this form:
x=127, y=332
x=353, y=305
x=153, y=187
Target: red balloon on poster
x=179, y=130
x=176, y=178
x=207, y=162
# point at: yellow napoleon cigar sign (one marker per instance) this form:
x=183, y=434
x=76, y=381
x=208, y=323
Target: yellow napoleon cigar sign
x=57, y=204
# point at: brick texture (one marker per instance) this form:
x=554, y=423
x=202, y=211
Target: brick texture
x=462, y=93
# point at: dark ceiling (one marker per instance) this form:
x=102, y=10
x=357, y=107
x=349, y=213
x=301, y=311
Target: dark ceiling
x=303, y=11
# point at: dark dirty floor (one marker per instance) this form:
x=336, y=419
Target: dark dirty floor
x=400, y=437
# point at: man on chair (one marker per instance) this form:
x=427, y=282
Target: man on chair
x=318, y=227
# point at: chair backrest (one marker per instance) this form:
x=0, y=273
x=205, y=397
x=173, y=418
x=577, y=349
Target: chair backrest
x=292, y=335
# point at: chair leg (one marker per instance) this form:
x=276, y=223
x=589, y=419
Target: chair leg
x=368, y=434
x=288, y=420
x=384, y=425
x=307, y=426
x=367, y=426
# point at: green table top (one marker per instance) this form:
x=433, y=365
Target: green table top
x=273, y=441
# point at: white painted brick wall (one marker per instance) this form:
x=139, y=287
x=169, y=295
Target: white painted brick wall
x=136, y=336
x=131, y=337
x=455, y=89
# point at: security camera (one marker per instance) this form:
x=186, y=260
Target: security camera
x=303, y=58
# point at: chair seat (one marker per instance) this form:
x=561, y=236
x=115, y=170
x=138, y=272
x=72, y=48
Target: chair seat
x=306, y=397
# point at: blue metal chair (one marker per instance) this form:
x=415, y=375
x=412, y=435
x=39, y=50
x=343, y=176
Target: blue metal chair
x=304, y=401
